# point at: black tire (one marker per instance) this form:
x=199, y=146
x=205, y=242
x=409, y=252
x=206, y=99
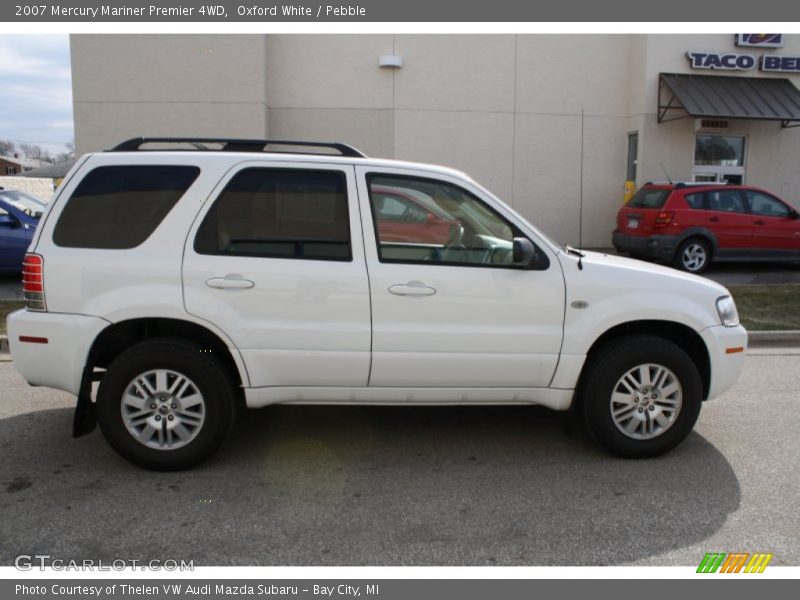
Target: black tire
x=206, y=374
x=607, y=367
x=682, y=262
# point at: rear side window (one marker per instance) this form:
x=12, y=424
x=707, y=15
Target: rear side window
x=695, y=201
x=279, y=213
x=118, y=207
x=649, y=198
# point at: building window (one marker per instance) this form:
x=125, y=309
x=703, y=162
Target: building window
x=633, y=155
x=719, y=158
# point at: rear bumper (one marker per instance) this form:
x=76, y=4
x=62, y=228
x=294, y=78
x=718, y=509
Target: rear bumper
x=658, y=247
x=727, y=348
x=57, y=347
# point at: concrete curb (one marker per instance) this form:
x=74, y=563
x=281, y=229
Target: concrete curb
x=756, y=339
x=772, y=339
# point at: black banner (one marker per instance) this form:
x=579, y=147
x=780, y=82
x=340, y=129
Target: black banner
x=184, y=11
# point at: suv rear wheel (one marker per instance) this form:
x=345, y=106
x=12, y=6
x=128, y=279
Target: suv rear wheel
x=165, y=404
x=641, y=396
x=693, y=255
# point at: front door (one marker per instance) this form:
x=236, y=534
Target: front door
x=457, y=312
x=776, y=233
x=277, y=262
x=14, y=240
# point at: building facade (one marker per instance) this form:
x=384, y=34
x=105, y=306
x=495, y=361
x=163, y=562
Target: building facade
x=553, y=124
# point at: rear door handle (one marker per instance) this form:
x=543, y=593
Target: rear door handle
x=231, y=281
x=760, y=222
x=412, y=288
x=714, y=219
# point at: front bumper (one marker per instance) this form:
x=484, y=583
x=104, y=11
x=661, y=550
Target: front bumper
x=727, y=360
x=57, y=362
x=656, y=247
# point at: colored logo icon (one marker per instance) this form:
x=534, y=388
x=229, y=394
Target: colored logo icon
x=734, y=562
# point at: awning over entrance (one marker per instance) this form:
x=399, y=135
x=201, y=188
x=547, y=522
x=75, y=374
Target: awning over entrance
x=719, y=97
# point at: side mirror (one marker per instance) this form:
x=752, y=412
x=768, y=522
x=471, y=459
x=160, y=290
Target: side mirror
x=9, y=222
x=793, y=214
x=524, y=252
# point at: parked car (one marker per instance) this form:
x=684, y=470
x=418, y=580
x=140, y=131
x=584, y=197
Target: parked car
x=190, y=284
x=19, y=216
x=403, y=217
x=691, y=225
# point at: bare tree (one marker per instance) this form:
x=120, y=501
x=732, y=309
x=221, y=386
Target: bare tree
x=68, y=155
x=7, y=148
x=36, y=152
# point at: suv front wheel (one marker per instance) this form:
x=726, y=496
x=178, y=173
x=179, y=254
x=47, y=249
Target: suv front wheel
x=641, y=396
x=165, y=404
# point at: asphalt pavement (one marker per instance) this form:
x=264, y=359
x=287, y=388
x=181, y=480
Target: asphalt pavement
x=412, y=486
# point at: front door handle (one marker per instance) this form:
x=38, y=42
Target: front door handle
x=412, y=288
x=231, y=281
x=714, y=219
x=760, y=222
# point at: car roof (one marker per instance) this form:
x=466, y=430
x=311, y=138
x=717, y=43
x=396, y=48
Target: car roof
x=296, y=157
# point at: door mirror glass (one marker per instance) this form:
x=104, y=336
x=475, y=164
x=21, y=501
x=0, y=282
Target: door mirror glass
x=8, y=221
x=524, y=252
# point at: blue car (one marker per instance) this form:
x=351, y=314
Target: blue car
x=19, y=216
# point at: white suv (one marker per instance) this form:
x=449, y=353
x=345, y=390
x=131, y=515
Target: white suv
x=192, y=277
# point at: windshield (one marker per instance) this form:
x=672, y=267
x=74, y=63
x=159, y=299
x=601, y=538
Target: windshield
x=649, y=198
x=31, y=206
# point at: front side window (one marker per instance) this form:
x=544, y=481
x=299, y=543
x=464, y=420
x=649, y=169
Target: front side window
x=118, y=207
x=766, y=206
x=725, y=201
x=440, y=224
x=279, y=213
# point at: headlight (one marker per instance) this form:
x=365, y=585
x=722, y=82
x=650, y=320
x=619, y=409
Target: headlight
x=728, y=314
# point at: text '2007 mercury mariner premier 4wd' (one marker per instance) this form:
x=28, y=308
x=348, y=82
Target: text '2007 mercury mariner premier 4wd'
x=192, y=277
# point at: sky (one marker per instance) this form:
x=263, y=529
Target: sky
x=36, y=90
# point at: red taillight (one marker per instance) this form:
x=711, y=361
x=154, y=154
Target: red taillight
x=663, y=219
x=33, y=282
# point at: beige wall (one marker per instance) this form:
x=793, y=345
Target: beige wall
x=504, y=108
x=161, y=85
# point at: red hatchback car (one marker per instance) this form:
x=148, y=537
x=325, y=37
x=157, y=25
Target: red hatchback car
x=691, y=225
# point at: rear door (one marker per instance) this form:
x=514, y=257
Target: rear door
x=775, y=233
x=277, y=262
x=638, y=216
x=458, y=313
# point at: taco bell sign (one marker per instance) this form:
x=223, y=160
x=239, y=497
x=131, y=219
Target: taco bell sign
x=727, y=61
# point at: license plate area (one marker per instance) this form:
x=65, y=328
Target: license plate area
x=633, y=223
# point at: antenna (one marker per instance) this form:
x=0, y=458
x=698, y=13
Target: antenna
x=580, y=206
x=663, y=168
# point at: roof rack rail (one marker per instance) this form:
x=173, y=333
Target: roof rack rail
x=236, y=145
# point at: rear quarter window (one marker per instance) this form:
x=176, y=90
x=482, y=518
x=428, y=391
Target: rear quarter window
x=119, y=207
x=649, y=198
x=695, y=200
